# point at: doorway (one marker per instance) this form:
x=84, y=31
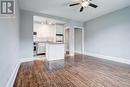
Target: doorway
x=78, y=41
x=67, y=41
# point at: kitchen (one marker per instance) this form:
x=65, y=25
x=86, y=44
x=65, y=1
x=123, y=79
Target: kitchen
x=48, y=38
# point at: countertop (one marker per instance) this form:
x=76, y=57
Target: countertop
x=48, y=42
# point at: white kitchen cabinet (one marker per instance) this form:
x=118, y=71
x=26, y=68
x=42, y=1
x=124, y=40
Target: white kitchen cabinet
x=54, y=51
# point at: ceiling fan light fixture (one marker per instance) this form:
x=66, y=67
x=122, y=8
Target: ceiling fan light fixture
x=85, y=4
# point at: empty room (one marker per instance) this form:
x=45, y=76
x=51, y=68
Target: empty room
x=65, y=43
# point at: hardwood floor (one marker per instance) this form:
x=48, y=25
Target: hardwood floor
x=78, y=71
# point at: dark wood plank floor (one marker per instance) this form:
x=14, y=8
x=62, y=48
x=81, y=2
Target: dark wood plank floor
x=77, y=71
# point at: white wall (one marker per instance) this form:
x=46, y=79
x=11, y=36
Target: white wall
x=9, y=46
x=26, y=29
x=26, y=35
x=109, y=35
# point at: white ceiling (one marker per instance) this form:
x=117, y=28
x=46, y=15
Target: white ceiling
x=61, y=8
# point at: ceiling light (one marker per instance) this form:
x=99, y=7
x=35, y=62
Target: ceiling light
x=85, y=4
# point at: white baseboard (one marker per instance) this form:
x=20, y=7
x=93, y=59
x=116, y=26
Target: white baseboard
x=12, y=78
x=115, y=59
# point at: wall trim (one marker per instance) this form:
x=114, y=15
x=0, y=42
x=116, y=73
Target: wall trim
x=115, y=59
x=12, y=78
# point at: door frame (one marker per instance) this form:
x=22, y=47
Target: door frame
x=65, y=38
x=82, y=28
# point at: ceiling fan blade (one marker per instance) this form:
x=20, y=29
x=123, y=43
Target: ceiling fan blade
x=74, y=4
x=81, y=9
x=93, y=5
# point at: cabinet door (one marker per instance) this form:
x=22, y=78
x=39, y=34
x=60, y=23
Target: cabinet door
x=59, y=29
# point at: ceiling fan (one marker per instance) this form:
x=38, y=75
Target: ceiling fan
x=84, y=4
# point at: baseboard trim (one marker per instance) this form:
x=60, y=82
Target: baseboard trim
x=115, y=59
x=12, y=78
